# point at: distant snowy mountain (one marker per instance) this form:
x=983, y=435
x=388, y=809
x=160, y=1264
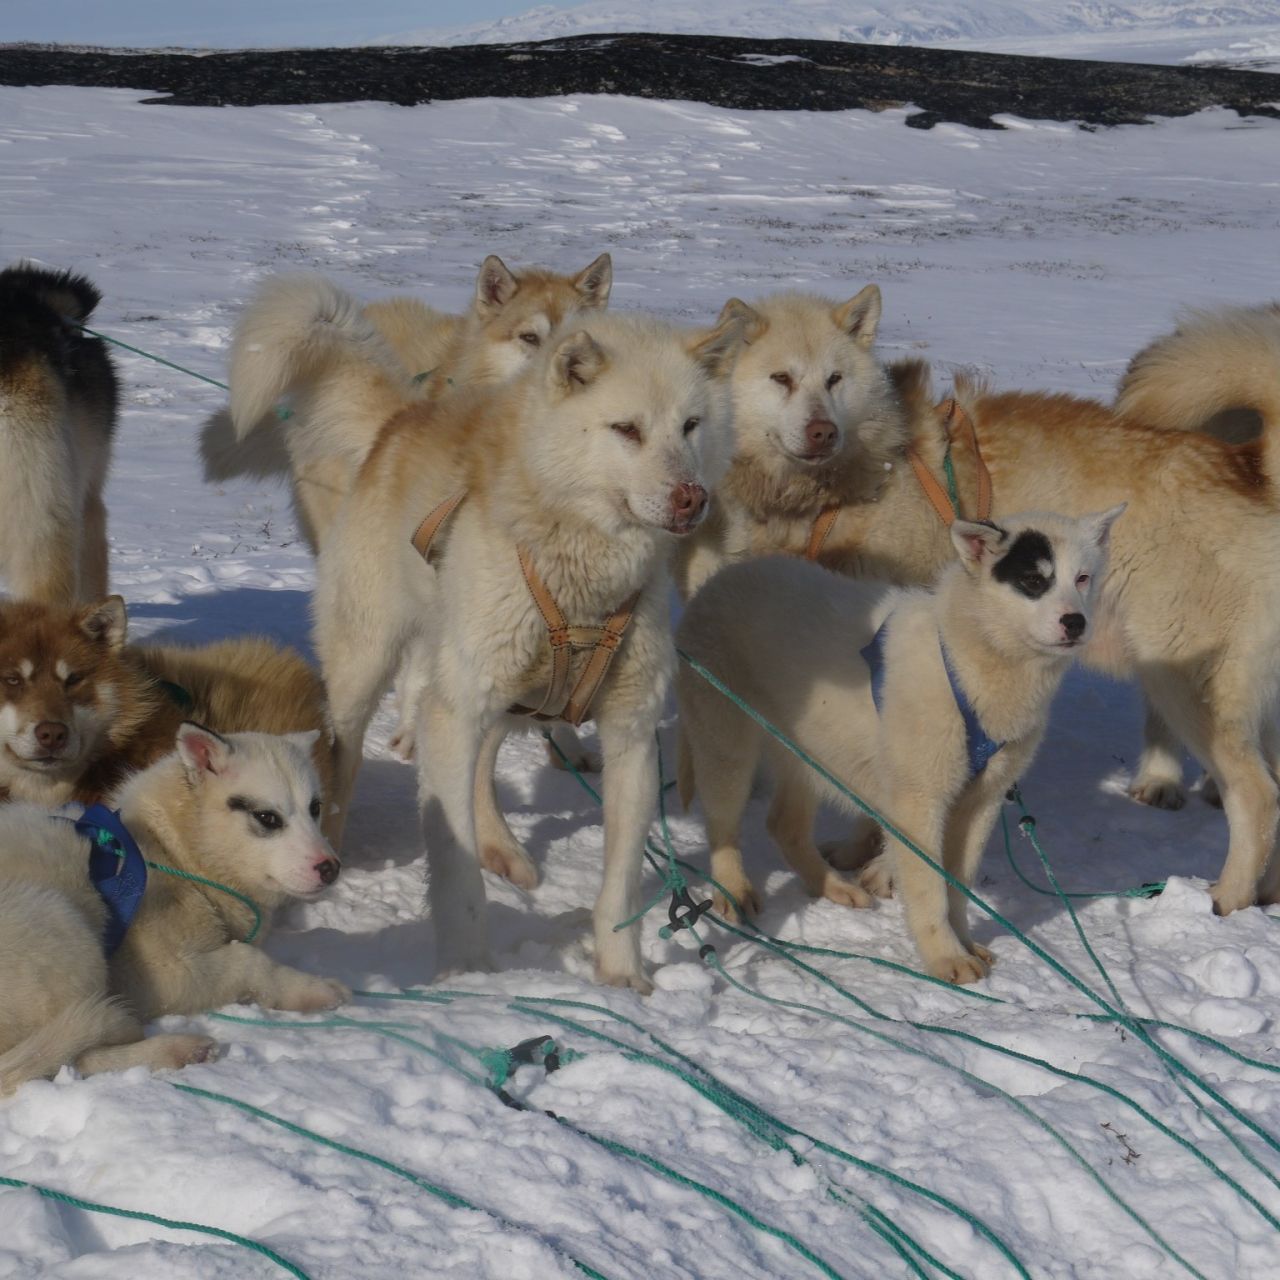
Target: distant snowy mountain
x=948, y=21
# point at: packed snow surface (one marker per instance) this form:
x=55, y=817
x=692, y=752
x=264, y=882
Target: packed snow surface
x=1043, y=255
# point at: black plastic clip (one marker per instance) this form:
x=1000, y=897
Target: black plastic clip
x=684, y=912
x=534, y=1052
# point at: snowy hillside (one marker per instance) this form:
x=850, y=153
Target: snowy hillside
x=1177, y=31
x=996, y=1129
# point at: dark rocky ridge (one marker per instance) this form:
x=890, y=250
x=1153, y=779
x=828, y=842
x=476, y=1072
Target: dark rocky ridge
x=818, y=75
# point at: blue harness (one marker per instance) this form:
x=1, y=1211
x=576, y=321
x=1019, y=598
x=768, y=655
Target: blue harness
x=116, y=868
x=980, y=744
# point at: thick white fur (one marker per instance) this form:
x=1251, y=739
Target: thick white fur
x=786, y=636
x=61, y=1002
x=546, y=465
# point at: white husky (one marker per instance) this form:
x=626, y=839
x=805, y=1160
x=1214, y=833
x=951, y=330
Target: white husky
x=929, y=704
x=241, y=810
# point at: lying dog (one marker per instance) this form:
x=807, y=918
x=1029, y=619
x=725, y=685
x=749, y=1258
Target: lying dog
x=297, y=324
x=572, y=481
x=241, y=810
x=80, y=709
x=57, y=416
x=929, y=705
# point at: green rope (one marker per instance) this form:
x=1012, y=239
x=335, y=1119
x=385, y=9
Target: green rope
x=222, y=888
x=774, y=945
x=281, y=412
x=138, y=1215
x=453, y=1200
x=608, y=1144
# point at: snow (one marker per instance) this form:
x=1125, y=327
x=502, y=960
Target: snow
x=1244, y=34
x=1044, y=255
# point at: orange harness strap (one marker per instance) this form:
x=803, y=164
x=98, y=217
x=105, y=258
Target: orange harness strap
x=821, y=531
x=957, y=422
x=601, y=643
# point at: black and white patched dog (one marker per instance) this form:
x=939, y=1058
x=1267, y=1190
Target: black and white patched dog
x=57, y=416
x=929, y=704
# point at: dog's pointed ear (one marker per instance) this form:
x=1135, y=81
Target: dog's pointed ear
x=753, y=323
x=976, y=541
x=578, y=361
x=495, y=286
x=593, y=283
x=1099, y=524
x=860, y=316
x=717, y=349
x=104, y=622
x=202, y=751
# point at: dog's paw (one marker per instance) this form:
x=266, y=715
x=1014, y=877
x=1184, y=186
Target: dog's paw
x=962, y=967
x=1229, y=898
x=305, y=993
x=404, y=743
x=575, y=759
x=1159, y=793
x=511, y=863
x=1210, y=792
x=846, y=892
x=177, y=1051
x=632, y=979
x=877, y=877
x=744, y=895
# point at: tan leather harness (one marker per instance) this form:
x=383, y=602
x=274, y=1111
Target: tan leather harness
x=938, y=497
x=599, y=643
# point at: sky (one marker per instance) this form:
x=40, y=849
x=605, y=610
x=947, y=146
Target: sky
x=235, y=22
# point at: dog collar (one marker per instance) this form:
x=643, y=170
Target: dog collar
x=981, y=746
x=116, y=868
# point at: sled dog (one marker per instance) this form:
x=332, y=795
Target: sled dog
x=573, y=482
x=928, y=704
x=241, y=810
x=1191, y=605
x=298, y=323
x=80, y=708
x=57, y=416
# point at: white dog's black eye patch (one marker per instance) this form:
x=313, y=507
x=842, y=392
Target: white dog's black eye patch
x=1028, y=565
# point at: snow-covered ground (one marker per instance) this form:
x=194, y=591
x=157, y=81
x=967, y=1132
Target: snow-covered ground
x=1244, y=34
x=1044, y=255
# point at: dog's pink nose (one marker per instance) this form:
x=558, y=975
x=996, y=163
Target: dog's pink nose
x=328, y=870
x=51, y=735
x=687, y=502
x=820, y=433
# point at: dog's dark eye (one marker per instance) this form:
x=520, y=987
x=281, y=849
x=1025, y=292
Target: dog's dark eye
x=72, y=680
x=13, y=681
x=690, y=425
x=268, y=819
x=314, y=809
x=835, y=378
x=1082, y=581
x=783, y=380
x=530, y=339
x=628, y=431
x=1033, y=582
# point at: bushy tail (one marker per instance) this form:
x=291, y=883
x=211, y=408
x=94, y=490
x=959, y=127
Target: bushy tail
x=63, y=1039
x=1218, y=372
x=261, y=456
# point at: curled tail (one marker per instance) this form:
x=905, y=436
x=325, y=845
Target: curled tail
x=76, y=1029
x=1217, y=372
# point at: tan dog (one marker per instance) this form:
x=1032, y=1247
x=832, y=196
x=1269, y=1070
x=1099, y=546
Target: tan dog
x=888, y=721
x=594, y=462
x=80, y=708
x=1192, y=607
x=299, y=323
x=58, y=402
x=1215, y=373
x=242, y=811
